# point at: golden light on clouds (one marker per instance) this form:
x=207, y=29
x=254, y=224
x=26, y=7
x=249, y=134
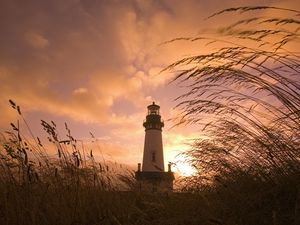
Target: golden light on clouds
x=96, y=65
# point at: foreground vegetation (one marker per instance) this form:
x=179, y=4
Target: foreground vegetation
x=245, y=95
x=35, y=189
x=248, y=167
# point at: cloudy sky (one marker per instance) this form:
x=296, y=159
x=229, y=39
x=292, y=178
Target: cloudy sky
x=95, y=65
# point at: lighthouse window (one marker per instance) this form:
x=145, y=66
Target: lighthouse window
x=153, y=156
x=153, y=112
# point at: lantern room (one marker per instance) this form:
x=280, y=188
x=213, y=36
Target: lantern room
x=153, y=109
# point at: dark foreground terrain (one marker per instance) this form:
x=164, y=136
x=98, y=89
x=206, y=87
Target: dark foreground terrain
x=242, y=201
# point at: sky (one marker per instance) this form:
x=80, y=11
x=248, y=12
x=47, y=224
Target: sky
x=95, y=64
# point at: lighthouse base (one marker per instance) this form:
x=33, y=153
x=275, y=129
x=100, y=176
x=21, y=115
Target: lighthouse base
x=152, y=181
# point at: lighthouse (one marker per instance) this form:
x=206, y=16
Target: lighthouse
x=152, y=176
x=153, y=159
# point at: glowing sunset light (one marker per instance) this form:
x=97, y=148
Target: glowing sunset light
x=184, y=168
x=96, y=65
x=149, y=112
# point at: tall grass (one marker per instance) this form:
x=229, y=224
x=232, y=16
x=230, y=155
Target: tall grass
x=74, y=188
x=71, y=188
x=245, y=97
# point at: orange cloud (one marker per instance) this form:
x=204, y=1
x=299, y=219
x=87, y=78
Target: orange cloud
x=36, y=40
x=97, y=63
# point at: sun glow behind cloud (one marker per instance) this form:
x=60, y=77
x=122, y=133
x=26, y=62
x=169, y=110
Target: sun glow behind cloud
x=96, y=64
x=176, y=141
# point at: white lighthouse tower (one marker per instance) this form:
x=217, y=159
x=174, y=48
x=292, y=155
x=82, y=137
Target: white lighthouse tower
x=153, y=159
x=153, y=177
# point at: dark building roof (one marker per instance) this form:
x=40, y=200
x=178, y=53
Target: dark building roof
x=154, y=175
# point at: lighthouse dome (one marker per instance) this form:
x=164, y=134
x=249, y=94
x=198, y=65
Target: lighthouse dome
x=153, y=118
x=153, y=109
